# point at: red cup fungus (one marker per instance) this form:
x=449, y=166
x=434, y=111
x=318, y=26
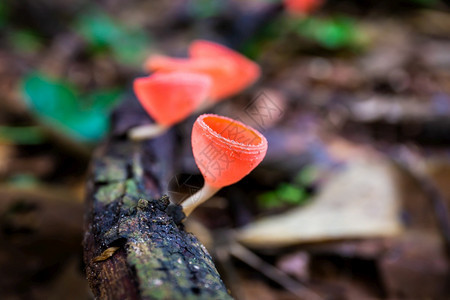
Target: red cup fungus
x=168, y=98
x=230, y=71
x=225, y=151
x=302, y=7
x=245, y=72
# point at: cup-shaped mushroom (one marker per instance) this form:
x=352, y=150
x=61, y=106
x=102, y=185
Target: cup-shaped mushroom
x=218, y=69
x=171, y=97
x=302, y=6
x=230, y=71
x=225, y=150
x=245, y=72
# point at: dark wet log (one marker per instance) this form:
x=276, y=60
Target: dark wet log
x=148, y=254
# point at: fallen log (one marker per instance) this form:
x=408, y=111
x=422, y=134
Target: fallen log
x=134, y=244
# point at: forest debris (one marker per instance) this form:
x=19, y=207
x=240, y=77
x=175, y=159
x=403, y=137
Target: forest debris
x=70, y=284
x=272, y=272
x=391, y=109
x=439, y=171
x=296, y=264
x=359, y=202
x=105, y=254
x=6, y=152
x=415, y=267
x=432, y=22
x=257, y=290
x=391, y=49
x=365, y=249
x=40, y=229
x=436, y=55
x=343, y=150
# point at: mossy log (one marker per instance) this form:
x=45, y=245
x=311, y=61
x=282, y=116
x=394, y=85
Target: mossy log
x=134, y=244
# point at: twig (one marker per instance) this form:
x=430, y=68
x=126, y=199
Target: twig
x=248, y=257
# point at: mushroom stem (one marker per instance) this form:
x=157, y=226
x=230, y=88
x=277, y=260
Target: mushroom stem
x=146, y=131
x=198, y=198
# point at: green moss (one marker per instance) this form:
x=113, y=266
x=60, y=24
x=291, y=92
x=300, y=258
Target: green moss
x=111, y=170
x=110, y=192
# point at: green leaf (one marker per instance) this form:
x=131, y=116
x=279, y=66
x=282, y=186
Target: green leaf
x=104, y=100
x=27, y=135
x=50, y=98
x=98, y=28
x=59, y=105
x=205, y=8
x=332, y=32
x=4, y=12
x=129, y=46
x=24, y=41
x=268, y=200
x=132, y=48
x=307, y=175
x=89, y=126
x=284, y=194
x=23, y=180
x=291, y=194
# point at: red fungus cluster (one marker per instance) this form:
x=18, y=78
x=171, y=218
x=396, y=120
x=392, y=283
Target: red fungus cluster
x=180, y=86
x=302, y=6
x=169, y=98
x=230, y=71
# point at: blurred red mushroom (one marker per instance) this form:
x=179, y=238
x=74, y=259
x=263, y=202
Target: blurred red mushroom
x=168, y=98
x=245, y=72
x=302, y=6
x=230, y=71
x=218, y=69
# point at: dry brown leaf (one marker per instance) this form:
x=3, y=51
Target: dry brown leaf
x=105, y=254
x=359, y=202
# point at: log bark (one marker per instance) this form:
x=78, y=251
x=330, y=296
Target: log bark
x=148, y=254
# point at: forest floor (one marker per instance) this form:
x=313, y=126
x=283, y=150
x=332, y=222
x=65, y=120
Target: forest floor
x=352, y=200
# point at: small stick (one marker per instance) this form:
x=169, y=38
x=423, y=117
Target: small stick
x=250, y=258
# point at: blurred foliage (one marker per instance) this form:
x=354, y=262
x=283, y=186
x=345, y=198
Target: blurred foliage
x=201, y=9
x=284, y=194
x=4, y=12
x=23, y=180
x=307, y=176
x=329, y=32
x=290, y=193
x=128, y=45
x=28, y=135
x=24, y=41
x=99, y=29
x=85, y=118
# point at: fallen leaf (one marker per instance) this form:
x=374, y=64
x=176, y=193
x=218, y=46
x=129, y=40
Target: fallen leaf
x=359, y=202
x=105, y=254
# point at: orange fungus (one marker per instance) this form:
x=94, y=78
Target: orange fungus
x=219, y=70
x=170, y=97
x=302, y=6
x=226, y=150
x=243, y=71
x=230, y=71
